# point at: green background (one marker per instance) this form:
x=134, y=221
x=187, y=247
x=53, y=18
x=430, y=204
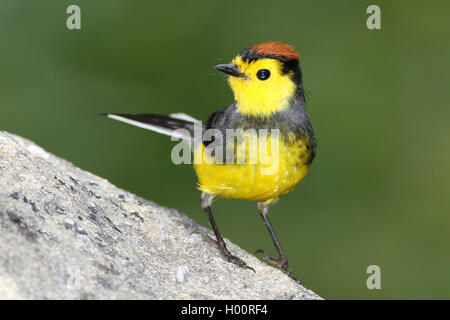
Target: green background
x=378, y=191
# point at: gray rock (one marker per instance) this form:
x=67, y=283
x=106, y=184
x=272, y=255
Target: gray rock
x=68, y=234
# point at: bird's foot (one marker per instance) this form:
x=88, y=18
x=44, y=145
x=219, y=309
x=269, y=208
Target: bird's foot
x=224, y=251
x=281, y=263
x=235, y=260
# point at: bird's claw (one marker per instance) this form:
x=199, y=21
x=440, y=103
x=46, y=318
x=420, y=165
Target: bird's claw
x=281, y=263
x=224, y=251
x=235, y=260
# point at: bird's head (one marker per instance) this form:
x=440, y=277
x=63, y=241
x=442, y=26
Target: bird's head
x=264, y=78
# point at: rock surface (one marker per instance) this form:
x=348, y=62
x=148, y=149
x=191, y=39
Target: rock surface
x=68, y=234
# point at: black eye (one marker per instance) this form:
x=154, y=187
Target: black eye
x=263, y=74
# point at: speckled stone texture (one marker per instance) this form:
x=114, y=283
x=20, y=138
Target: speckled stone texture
x=68, y=234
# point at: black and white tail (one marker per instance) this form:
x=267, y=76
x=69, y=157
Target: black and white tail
x=165, y=124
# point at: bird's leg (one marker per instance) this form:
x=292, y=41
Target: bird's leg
x=281, y=262
x=206, y=201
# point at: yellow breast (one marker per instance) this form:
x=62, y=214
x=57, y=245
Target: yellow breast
x=263, y=176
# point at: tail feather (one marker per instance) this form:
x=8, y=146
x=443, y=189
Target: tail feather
x=163, y=124
x=184, y=116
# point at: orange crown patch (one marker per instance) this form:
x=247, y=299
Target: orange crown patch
x=275, y=48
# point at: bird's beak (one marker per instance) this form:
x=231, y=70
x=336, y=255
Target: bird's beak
x=231, y=69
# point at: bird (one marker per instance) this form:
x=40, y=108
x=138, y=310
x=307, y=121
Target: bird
x=269, y=105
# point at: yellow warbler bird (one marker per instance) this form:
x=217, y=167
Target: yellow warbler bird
x=269, y=107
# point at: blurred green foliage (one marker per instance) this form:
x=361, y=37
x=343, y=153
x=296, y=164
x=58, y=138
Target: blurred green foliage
x=378, y=192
